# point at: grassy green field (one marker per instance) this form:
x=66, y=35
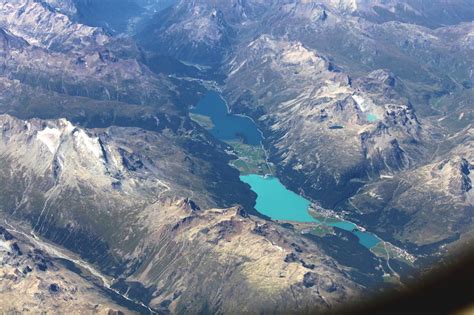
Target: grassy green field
x=381, y=249
x=324, y=219
x=322, y=230
x=251, y=159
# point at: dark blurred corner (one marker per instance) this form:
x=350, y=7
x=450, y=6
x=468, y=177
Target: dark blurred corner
x=445, y=290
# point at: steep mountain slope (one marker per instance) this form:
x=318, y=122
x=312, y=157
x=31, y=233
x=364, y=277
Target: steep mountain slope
x=95, y=81
x=373, y=133
x=431, y=204
x=73, y=60
x=191, y=31
x=28, y=19
x=32, y=282
x=355, y=43
x=415, y=53
x=118, y=16
x=111, y=15
x=241, y=264
x=119, y=204
x=431, y=14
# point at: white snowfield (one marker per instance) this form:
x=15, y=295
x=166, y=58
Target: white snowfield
x=51, y=137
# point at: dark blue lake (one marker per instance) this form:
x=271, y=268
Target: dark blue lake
x=227, y=127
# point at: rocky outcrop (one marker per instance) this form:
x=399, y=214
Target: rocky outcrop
x=437, y=13
x=66, y=7
x=230, y=270
x=99, y=75
x=435, y=200
x=75, y=71
x=80, y=187
x=28, y=19
x=33, y=282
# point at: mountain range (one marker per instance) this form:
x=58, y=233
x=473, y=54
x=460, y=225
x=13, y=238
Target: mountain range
x=365, y=109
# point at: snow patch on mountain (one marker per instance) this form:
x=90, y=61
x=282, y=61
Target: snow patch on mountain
x=87, y=143
x=50, y=137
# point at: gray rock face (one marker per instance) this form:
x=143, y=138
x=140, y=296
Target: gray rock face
x=409, y=50
x=433, y=14
x=66, y=7
x=72, y=59
x=97, y=82
x=193, y=31
x=28, y=19
x=118, y=16
x=125, y=167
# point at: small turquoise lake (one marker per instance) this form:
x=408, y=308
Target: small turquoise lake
x=227, y=127
x=372, y=117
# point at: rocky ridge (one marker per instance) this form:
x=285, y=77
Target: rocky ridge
x=449, y=216
x=32, y=282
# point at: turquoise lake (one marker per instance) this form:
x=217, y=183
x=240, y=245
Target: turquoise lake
x=277, y=202
x=273, y=198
